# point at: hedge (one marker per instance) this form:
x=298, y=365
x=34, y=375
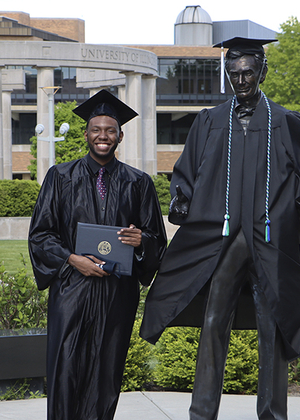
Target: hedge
x=137, y=371
x=162, y=186
x=18, y=197
x=176, y=354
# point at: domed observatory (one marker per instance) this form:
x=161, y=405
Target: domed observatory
x=193, y=27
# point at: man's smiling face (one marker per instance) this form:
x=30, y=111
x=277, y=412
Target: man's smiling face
x=103, y=136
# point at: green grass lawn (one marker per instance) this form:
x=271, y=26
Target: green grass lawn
x=10, y=255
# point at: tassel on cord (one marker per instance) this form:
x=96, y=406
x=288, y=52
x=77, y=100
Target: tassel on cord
x=225, y=231
x=222, y=71
x=267, y=231
x=267, y=220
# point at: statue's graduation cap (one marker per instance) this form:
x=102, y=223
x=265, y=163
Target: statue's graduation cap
x=105, y=103
x=249, y=46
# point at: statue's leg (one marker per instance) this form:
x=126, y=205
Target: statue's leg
x=273, y=366
x=225, y=288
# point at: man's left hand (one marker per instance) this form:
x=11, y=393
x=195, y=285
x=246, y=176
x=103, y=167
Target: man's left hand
x=131, y=236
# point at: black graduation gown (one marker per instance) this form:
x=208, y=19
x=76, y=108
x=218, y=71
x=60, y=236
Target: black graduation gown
x=175, y=297
x=90, y=319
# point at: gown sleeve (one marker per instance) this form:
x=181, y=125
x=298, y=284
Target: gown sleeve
x=186, y=168
x=48, y=252
x=153, y=233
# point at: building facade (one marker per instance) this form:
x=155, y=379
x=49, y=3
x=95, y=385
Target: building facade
x=187, y=80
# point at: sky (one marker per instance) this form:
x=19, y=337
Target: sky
x=152, y=22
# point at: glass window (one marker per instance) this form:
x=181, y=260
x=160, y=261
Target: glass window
x=190, y=81
x=64, y=77
x=23, y=128
x=173, y=130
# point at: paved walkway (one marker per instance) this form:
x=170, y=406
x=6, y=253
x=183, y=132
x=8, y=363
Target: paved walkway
x=151, y=406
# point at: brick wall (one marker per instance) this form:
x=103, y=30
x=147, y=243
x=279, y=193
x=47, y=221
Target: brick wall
x=68, y=28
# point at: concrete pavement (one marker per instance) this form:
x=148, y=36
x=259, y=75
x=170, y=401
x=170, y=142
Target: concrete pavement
x=151, y=406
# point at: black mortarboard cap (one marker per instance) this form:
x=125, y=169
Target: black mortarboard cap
x=249, y=46
x=105, y=103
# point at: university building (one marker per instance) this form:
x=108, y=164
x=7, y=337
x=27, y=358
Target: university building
x=167, y=84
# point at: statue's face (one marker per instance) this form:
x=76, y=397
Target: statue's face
x=244, y=74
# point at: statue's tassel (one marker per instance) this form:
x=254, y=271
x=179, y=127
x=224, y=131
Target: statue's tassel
x=267, y=230
x=225, y=231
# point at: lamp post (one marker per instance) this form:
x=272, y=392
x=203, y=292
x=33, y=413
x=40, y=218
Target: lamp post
x=50, y=92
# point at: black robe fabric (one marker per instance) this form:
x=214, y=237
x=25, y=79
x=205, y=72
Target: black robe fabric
x=90, y=319
x=178, y=292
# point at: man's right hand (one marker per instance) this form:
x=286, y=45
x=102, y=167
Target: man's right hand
x=179, y=206
x=87, y=266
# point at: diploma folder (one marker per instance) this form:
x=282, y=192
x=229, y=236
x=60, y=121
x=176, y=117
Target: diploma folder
x=102, y=242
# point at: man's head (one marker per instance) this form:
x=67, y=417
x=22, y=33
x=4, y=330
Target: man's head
x=103, y=134
x=104, y=114
x=246, y=66
x=245, y=73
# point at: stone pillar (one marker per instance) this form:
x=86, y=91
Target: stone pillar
x=7, y=137
x=149, y=136
x=1, y=130
x=122, y=146
x=133, y=129
x=11, y=79
x=45, y=78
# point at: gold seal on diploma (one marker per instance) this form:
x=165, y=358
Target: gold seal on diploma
x=104, y=248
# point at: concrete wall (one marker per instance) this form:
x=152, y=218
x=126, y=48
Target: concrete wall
x=18, y=227
x=14, y=227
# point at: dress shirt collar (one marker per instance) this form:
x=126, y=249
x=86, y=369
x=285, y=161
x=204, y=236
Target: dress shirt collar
x=95, y=166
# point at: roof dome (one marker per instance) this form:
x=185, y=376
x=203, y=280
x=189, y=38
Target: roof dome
x=193, y=14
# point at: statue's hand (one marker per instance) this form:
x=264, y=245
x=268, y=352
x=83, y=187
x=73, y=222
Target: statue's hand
x=179, y=206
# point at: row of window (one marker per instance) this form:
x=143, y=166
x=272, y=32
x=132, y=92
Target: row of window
x=181, y=81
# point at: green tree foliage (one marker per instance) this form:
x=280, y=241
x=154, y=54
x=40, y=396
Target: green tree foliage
x=21, y=304
x=33, y=165
x=74, y=146
x=18, y=197
x=282, y=83
x=137, y=369
x=162, y=186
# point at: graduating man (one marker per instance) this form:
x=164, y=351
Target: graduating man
x=91, y=312
x=235, y=194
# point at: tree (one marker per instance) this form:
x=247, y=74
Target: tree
x=282, y=84
x=74, y=146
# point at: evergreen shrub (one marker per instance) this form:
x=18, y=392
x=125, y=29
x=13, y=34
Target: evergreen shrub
x=137, y=369
x=176, y=355
x=162, y=186
x=241, y=371
x=18, y=197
